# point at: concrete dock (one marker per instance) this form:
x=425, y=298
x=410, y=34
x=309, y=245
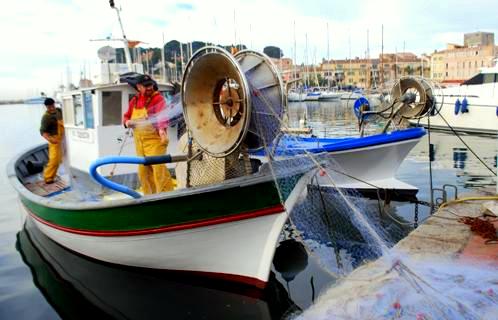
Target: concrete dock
x=441, y=270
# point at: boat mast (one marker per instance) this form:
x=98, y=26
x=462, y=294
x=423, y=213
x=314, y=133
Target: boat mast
x=306, y=61
x=295, y=55
x=328, y=54
x=382, y=59
x=125, y=41
x=163, y=60
x=369, y=64
x=350, y=62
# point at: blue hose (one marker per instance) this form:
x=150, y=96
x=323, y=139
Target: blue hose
x=123, y=159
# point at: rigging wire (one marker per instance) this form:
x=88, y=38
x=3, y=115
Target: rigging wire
x=468, y=147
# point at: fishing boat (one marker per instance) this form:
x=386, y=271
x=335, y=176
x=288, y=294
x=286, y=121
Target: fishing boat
x=470, y=107
x=364, y=164
x=226, y=219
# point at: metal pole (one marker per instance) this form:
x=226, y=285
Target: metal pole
x=164, y=60
x=181, y=59
x=125, y=41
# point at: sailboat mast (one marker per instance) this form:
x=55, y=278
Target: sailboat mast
x=367, y=62
x=295, y=53
x=382, y=59
x=306, y=61
x=328, y=54
x=350, y=62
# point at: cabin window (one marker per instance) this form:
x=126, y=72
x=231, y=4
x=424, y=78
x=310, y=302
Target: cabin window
x=477, y=79
x=88, y=108
x=489, y=77
x=79, y=116
x=111, y=108
x=67, y=111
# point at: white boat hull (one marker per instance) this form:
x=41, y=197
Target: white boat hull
x=376, y=165
x=480, y=118
x=312, y=96
x=327, y=95
x=234, y=250
x=296, y=97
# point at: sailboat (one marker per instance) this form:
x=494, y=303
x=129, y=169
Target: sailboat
x=328, y=93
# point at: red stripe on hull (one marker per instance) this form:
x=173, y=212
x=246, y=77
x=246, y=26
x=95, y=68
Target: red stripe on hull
x=260, y=284
x=178, y=227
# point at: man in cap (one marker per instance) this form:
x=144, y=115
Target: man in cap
x=146, y=115
x=52, y=129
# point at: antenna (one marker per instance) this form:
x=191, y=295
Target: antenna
x=125, y=41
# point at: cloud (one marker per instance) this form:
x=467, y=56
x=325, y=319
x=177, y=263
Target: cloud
x=42, y=38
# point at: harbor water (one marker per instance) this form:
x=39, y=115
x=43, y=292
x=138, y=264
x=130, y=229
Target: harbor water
x=41, y=280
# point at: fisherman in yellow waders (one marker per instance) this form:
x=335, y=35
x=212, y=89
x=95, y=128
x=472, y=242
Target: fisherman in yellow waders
x=52, y=129
x=149, y=131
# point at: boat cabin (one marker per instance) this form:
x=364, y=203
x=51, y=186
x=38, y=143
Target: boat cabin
x=482, y=78
x=93, y=126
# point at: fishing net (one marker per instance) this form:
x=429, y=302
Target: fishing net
x=353, y=239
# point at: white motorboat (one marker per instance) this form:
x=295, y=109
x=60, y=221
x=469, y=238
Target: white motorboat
x=471, y=107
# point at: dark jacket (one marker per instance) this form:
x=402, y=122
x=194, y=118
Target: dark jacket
x=49, y=122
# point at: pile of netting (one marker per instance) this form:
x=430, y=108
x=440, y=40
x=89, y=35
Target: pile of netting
x=353, y=239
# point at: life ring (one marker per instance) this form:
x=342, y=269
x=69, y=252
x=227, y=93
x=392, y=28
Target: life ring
x=465, y=105
x=458, y=104
x=361, y=105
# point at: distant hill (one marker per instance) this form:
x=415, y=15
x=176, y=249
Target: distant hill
x=172, y=50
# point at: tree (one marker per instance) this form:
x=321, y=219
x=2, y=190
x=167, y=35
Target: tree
x=273, y=52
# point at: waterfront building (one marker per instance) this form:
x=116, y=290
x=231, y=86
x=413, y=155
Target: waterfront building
x=371, y=73
x=457, y=63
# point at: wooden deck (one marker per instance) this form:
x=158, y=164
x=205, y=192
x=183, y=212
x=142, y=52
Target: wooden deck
x=46, y=190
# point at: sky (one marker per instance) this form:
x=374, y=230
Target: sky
x=42, y=40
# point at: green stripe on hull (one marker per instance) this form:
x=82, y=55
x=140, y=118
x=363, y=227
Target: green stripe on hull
x=161, y=213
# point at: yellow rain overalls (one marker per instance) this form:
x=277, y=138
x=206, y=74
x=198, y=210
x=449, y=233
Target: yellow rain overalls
x=54, y=154
x=153, y=178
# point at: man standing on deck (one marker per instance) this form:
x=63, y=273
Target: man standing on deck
x=149, y=131
x=52, y=129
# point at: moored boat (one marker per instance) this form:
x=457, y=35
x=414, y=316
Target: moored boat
x=225, y=219
x=470, y=107
x=364, y=164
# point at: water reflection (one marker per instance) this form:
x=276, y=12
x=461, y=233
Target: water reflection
x=329, y=118
x=82, y=288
